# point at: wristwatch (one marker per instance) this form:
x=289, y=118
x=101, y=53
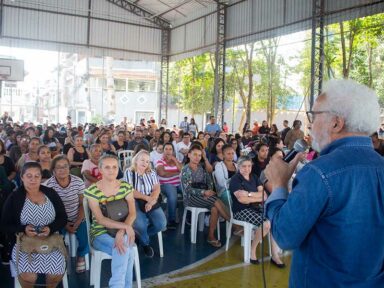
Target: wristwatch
x=249, y=194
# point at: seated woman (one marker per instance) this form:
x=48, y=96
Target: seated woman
x=7, y=163
x=150, y=218
x=103, y=139
x=119, y=247
x=276, y=152
x=156, y=154
x=70, y=189
x=236, y=147
x=31, y=155
x=225, y=169
x=169, y=168
x=121, y=142
x=246, y=191
x=165, y=137
x=39, y=212
x=69, y=141
x=90, y=168
x=216, y=154
x=45, y=160
x=77, y=154
x=51, y=141
x=198, y=191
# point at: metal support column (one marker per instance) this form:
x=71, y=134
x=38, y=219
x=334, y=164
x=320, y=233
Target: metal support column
x=164, y=74
x=317, y=56
x=219, y=88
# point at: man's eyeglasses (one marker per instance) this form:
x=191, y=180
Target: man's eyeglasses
x=311, y=115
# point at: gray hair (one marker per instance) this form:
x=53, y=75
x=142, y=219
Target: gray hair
x=243, y=159
x=355, y=103
x=107, y=156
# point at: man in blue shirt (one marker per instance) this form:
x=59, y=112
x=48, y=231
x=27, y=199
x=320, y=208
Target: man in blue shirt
x=212, y=128
x=184, y=125
x=333, y=219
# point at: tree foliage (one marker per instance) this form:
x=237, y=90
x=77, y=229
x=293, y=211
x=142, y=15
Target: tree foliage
x=353, y=49
x=191, y=84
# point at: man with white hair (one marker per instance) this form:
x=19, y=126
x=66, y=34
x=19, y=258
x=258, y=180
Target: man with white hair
x=333, y=219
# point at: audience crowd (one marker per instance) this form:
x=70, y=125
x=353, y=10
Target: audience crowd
x=46, y=170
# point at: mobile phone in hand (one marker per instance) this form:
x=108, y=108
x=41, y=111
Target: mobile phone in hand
x=38, y=229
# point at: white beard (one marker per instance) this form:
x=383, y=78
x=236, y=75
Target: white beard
x=320, y=141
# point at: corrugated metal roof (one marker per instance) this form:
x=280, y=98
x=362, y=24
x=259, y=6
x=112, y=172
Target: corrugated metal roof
x=109, y=29
x=177, y=11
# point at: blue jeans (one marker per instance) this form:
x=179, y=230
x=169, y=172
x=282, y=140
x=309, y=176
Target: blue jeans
x=171, y=192
x=148, y=224
x=81, y=235
x=122, y=264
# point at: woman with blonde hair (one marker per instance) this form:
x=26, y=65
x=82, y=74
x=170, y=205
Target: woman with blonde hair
x=150, y=218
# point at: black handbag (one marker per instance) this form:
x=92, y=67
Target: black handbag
x=116, y=210
x=142, y=202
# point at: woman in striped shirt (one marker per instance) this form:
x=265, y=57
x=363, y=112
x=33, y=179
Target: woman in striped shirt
x=70, y=188
x=168, y=168
x=150, y=218
x=121, y=246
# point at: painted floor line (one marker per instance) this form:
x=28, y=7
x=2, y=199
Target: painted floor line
x=149, y=282
x=165, y=279
x=193, y=276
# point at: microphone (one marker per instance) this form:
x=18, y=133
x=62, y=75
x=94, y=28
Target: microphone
x=299, y=146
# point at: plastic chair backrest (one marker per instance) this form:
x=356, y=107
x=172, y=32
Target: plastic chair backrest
x=87, y=218
x=125, y=157
x=227, y=194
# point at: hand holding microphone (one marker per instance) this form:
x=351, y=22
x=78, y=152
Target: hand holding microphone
x=278, y=172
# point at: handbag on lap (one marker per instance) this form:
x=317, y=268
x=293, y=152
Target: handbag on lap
x=116, y=210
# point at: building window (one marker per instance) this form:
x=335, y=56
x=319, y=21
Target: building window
x=97, y=82
x=120, y=85
x=142, y=85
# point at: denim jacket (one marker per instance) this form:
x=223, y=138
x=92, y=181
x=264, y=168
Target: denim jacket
x=333, y=219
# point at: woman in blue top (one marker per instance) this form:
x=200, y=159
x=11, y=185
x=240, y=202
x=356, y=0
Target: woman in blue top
x=247, y=193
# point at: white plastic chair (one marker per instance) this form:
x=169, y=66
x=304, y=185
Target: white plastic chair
x=71, y=241
x=248, y=232
x=125, y=158
x=64, y=280
x=97, y=257
x=197, y=218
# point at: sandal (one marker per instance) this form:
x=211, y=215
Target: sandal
x=80, y=267
x=214, y=243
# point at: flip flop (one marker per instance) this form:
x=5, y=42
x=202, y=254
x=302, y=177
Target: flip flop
x=214, y=243
x=80, y=267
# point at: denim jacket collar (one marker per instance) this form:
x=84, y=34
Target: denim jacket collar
x=347, y=141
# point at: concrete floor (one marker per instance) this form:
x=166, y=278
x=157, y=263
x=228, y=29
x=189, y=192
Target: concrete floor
x=189, y=265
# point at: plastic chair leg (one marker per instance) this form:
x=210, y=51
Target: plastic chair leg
x=65, y=280
x=97, y=271
x=137, y=267
x=201, y=218
x=160, y=239
x=229, y=228
x=247, y=244
x=194, y=220
x=72, y=244
x=184, y=219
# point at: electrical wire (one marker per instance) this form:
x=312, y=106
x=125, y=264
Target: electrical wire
x=262, y=240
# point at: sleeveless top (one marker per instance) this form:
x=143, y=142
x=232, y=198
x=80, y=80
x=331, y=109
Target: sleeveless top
x=79, y=157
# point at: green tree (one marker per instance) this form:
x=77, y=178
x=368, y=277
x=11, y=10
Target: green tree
x=191, y=84
x=353, y=50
